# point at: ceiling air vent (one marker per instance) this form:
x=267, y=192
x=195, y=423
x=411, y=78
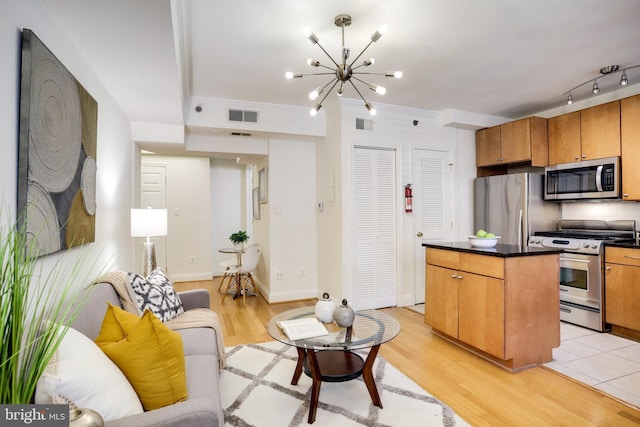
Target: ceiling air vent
x=243, y=116
x=240, y=134
x=364, y=124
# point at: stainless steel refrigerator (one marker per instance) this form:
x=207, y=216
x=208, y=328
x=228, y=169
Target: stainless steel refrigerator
x=512, y=206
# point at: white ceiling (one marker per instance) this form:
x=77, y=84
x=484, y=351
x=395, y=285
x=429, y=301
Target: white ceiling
x=496, y=57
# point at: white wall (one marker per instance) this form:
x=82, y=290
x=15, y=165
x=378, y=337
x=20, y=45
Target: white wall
x=227, y=207
x=115, y=150
x=189, y=248
x=292, y=220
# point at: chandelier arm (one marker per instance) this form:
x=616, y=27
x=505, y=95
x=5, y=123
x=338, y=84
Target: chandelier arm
x=335, y=82
x=354, y=86
x=358, y=57
x=326, y=53
x=320, y=74
x=361, y=81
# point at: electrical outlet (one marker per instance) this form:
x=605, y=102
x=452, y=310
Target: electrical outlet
x=279, y=275
x=302, y=273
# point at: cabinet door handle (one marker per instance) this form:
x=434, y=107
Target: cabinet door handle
x=625, y=195
x=607, y=268
x=459, y=277
x=632, y=257
x=453, y=276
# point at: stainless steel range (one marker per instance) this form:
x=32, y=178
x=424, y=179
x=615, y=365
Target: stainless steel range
x=582, y=265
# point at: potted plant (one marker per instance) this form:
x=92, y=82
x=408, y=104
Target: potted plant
x=36, y=309
x=239, y=238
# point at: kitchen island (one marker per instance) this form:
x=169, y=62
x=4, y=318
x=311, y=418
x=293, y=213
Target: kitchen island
x=501, y=303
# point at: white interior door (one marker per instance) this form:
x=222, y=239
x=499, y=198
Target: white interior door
x=375, y=228
x=432, y=206
x=154, y=194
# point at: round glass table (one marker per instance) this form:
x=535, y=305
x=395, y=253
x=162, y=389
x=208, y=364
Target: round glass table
x=332, y=357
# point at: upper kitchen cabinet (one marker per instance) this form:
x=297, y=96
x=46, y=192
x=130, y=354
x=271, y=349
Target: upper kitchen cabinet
x=518, y=142
x=564, y=138
x=488, y=150
x=592, y=133
x=600, y=131
x=630, y=137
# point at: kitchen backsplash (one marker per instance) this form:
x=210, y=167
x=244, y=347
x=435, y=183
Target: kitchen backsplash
x=602, y=210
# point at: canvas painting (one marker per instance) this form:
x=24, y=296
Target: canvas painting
x=57, y=153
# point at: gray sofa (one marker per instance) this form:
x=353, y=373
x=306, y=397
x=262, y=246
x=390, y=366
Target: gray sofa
x=203, y=406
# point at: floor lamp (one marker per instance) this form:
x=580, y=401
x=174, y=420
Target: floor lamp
x=148, y=223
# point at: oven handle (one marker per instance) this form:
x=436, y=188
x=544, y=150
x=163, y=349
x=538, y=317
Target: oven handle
x=599, y=178
x=520, y=230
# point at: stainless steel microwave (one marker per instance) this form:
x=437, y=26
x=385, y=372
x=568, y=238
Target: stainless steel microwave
x=589, y=179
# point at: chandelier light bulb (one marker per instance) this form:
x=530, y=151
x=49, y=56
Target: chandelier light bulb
x=368, y=62
x=307, y=31
x=383, y=29
x=314, y=94
x=372, y=110
x=289, y=75
x=377, y=89
x=595, y=88
x=315, y=110
x=624, y=80
x=395, y=74
x=313, y=62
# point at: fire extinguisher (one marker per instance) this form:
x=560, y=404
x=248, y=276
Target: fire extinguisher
x=408, y=207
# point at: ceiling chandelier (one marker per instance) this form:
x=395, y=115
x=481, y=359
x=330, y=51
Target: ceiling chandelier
x=342, y=71
x=604, y=71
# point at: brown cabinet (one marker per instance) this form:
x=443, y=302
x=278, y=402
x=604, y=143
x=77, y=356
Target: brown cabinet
x=504, y=308
x=592, y=133
x=630, y=142
x=622, y=287
x=564, y=138
x=520, y=141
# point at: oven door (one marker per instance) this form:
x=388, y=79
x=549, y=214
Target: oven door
x=580, y=279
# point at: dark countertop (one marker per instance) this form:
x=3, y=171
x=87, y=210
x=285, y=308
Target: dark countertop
x=500, y=250
x=621, y=245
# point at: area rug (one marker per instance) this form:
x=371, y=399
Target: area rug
x=256, y=391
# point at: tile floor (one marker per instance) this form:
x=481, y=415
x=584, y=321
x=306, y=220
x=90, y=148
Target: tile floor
x=603, y=361
x=600, y=360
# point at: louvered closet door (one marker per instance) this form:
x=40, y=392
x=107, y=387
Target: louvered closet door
x=432, y=206
x=375, y=213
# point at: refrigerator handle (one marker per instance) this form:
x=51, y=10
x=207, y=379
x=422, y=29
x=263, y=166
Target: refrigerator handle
x=520, y=229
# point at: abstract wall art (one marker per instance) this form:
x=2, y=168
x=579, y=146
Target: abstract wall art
x=57, y=152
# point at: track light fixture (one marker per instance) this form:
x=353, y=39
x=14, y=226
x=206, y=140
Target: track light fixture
x=604, y=71
x=342, y=71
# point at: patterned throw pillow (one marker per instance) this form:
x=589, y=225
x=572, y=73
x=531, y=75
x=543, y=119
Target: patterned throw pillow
x=157, y=294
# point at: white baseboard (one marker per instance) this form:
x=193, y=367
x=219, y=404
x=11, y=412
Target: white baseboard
x=190, y=277
x=285, y=296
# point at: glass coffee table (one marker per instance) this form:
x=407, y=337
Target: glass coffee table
x=332, y=357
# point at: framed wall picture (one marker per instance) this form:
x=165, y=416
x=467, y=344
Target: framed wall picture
x=57, y=152
x=262, y=185
x=255, y=204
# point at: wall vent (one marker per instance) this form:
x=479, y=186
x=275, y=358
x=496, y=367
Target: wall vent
x=240, y=134
x=364, y=124
x=243, y=116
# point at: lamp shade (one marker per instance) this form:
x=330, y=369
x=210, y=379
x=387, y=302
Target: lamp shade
x=148, y=222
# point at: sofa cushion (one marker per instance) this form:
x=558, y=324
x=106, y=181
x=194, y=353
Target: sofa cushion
x=149, y=354
x=156, y=293
x=80, y=374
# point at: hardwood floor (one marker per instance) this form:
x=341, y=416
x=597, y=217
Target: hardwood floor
x=480, y=392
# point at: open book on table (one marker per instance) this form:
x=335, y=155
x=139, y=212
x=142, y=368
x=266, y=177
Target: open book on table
x=299, y=329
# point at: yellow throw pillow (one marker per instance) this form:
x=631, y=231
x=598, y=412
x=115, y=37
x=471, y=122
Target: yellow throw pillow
x=148, y=353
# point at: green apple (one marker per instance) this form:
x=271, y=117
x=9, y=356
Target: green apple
x=481, y=233
x=490, y=235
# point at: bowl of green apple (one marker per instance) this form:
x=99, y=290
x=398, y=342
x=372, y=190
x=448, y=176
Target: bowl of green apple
x=483, y=239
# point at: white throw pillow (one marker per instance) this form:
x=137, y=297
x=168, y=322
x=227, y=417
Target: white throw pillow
x=156, y=293
x=81, y=374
